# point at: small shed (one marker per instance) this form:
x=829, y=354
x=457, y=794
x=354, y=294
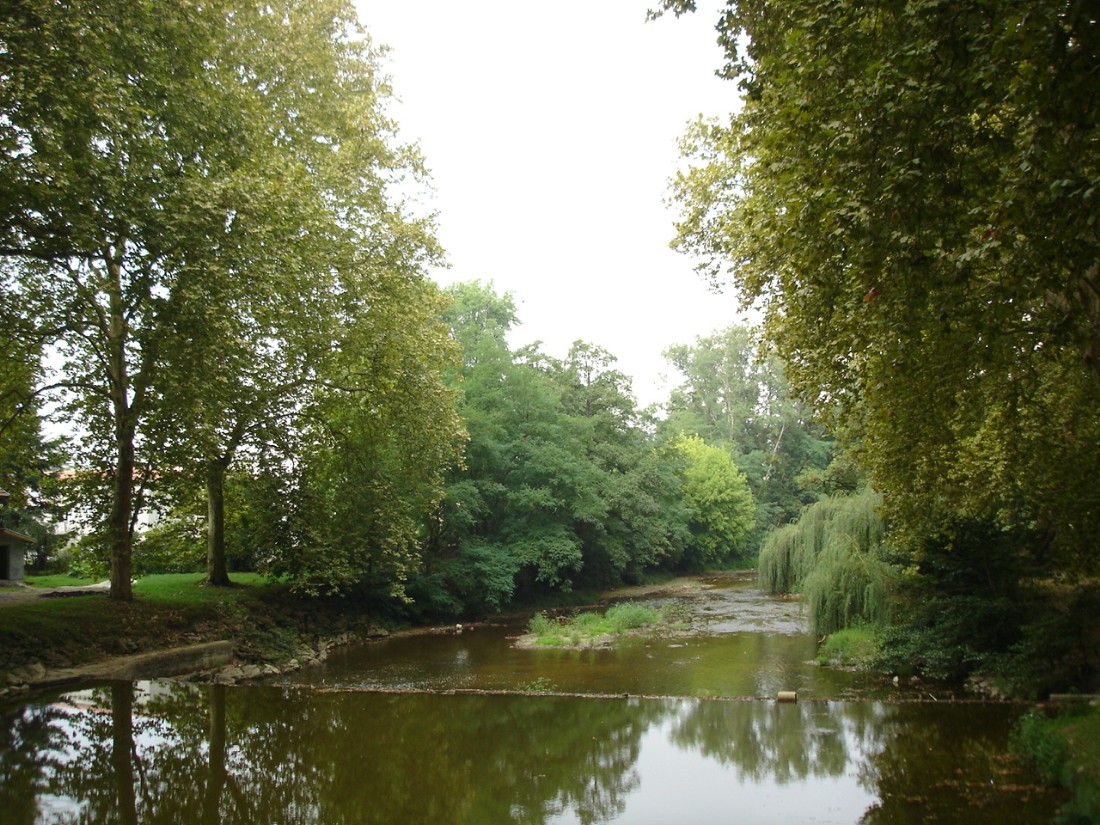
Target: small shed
x=13, y=546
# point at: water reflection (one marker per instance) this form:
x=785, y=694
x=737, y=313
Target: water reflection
x=189, y=754
x=736, y=664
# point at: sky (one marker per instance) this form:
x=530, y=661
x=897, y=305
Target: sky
x=551, y=132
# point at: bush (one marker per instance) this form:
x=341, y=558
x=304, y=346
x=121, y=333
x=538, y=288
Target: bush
x=627, y=616
x=1065, y=750
x=541, y=625
x=963, y=608
x=853, y=646
x=1036, y=738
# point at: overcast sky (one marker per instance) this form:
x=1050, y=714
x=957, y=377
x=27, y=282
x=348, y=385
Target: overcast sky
x=551, y=132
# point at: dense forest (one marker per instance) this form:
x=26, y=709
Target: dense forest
x=211, y=281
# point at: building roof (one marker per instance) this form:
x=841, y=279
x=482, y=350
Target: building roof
x=14, y=536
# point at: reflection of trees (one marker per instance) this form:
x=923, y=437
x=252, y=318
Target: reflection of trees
x=191, y=754
x=942, y=763
x=122, y=751
x=28, y=737
x=188, y=754
x=777, y=742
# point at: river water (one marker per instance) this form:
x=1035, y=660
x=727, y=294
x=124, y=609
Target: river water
x=661, y=730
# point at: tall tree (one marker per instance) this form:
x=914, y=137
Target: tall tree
x=718, y=499
x=736, y=396
x=316, y=253
x=909, y=191
x=194, y=193
x=107, y=136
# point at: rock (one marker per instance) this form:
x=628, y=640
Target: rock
x=251, y=671
x=34, y=672
x=229, y=675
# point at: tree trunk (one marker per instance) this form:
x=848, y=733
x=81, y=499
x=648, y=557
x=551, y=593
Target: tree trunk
x=119, y=532
x=122, y=746
x=211, y=802
x=216, y=571
x=118, y=525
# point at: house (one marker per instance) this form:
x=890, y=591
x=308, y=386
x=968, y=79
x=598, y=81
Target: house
x=13, y=546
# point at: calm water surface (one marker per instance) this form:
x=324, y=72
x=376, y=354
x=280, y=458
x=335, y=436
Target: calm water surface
x=332, y=749
x=180, y=753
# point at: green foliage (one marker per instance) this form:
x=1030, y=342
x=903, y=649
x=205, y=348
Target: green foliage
x=583, y=628
x=480, y=579
x=909, y=194
x=219, y=255
x=541, y=625
x=834, y=556
x=175, y=546
x=736, y=396
x=718, y=499
x=561, y=486
x=847, y=587
x=1056, y=648
x=1036, y=737
x=850, y=647
x=961, y=606
x=1065, y=750
x=628, y=616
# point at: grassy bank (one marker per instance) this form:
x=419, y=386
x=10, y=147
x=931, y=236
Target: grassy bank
x=265, y=619
x=1065, y=749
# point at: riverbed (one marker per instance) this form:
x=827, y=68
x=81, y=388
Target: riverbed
x=463, y=727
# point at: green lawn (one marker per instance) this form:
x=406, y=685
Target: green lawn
x=57, y=580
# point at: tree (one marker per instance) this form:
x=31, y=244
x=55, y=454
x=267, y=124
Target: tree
x=909, y=192
x=312, y=276
x=560, y=484
x=191, y=193
x=718, y=499
x=737, y=397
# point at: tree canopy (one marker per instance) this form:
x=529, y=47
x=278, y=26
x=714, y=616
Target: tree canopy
x=198, y=224
x=909, y=192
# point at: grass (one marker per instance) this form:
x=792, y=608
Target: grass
x=1065, y=749
x=586, y=628
x=851, y=647
x=57, y=580
x=167, y=610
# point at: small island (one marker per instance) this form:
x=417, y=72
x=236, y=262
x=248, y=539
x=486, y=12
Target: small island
x=585, y=631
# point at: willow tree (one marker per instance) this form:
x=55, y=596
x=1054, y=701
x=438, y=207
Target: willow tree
x=909, y=191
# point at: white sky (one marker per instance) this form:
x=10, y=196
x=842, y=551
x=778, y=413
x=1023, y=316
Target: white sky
x=551, y=132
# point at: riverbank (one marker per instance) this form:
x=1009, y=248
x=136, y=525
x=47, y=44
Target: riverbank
x=54, y=636
x=73, y=632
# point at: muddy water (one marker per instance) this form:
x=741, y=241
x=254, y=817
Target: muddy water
x=742, y=643
x=336, y=751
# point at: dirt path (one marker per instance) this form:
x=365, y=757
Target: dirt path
x=22, y=593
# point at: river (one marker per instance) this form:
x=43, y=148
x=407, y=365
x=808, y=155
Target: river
x=466, y=728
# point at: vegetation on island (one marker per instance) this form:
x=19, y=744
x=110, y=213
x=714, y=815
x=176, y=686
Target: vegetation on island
x=584, y=630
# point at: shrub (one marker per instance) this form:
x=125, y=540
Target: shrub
x=627, y=616
x=848, y=647
x=541, y=625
